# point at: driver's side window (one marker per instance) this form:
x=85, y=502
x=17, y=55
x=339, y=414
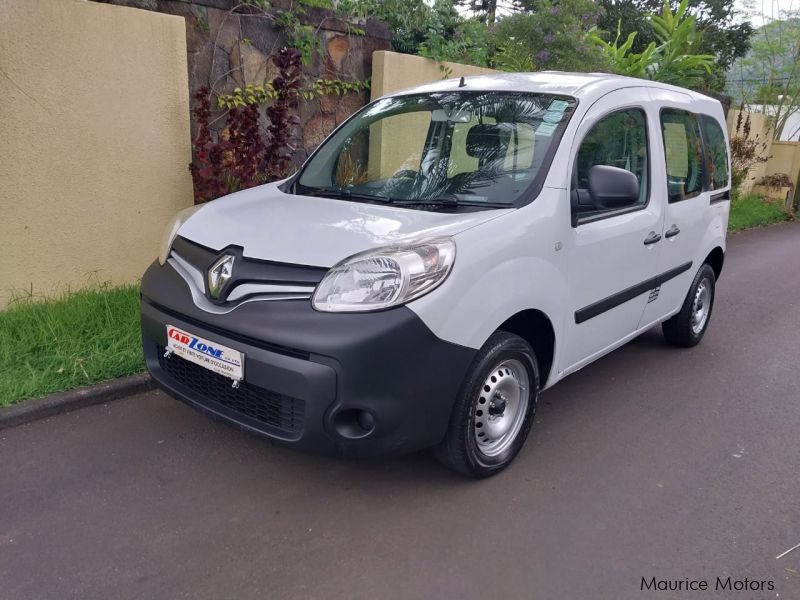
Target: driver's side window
x=617, y=140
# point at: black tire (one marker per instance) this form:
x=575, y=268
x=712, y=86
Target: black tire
x=460, y=450
x=680, y=329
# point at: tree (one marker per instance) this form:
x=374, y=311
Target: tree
x=720, y=32
x=623, y=17
x=485, y=10
x=770, y=73
x=435, y=30
x=547, y=34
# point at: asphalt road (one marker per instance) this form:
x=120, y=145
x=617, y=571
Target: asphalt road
x=652, y=462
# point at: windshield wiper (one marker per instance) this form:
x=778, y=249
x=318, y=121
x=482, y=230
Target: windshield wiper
x=450, y=203
x=432, y=203
x=483, y=204
x=346, y=194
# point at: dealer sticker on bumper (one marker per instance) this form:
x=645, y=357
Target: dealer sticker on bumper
x=211, y=355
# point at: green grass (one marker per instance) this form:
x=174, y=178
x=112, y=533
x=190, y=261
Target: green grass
x=754, y=211
x=68, y=341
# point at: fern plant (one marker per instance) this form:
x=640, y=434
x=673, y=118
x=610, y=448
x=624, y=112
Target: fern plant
x=620, y=57
x=678, y=34
x=673, y=60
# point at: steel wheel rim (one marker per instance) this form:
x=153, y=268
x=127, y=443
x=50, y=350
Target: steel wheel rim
x=701, y=306
x=501, y=407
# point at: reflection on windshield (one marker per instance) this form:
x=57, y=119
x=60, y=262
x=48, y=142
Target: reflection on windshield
x=450, y=148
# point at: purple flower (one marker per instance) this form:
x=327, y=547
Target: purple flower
x=554, y=10
x=542, y=56
x=549, y=38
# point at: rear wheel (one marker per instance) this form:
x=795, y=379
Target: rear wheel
x=494, y=410
x=687, y=328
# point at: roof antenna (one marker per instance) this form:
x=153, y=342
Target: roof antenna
x=462, y=83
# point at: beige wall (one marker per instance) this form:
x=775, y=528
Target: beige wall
x=94, y=140
x=784, y=158
x=392, y=72
x=392, y=142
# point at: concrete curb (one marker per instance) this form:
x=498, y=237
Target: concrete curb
x=61, y=402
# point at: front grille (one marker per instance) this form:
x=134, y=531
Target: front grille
x=269, y=408
x=250, y=277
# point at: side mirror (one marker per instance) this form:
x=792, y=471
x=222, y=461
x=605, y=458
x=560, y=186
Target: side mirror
x=612, y=187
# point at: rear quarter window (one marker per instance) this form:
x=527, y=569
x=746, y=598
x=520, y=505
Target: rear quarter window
x=683, y=149
x=716, y=152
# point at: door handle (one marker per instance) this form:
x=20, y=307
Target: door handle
x=672, y=232
x=652, y=238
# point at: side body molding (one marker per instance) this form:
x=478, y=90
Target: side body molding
x=601, y=306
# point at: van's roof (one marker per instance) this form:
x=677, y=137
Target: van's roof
x=578, y=85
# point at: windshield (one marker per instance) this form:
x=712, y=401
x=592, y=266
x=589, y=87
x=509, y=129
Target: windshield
x=481, y=149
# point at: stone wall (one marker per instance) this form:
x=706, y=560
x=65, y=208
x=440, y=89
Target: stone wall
x=229, y=48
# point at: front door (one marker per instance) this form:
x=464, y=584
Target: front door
x=613, y=253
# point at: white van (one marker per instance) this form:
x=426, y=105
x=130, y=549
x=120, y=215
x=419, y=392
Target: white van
x=444, y=256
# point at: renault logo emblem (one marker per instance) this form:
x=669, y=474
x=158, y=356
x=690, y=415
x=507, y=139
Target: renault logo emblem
x=219, y=274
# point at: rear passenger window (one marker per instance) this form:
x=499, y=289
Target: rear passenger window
x=617, y=140
x=684, y=154
x=716, y=152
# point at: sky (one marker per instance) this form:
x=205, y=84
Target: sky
x=770, y=8
x=752, y=9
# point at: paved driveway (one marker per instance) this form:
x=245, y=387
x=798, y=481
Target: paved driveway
x=652, y=462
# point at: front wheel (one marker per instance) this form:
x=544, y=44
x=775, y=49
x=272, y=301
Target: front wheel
x=494, y=410
x=686, y=328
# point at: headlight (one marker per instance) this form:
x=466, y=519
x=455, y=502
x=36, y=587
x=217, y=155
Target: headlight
x=385, y=277
x=172, y=230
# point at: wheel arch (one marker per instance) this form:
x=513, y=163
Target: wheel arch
x=536, y=328
x=715, y=259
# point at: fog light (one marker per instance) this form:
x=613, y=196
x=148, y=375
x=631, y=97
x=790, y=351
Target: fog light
x=366, y=420
x=354, y=423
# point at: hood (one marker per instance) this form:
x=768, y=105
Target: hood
x=303, y=230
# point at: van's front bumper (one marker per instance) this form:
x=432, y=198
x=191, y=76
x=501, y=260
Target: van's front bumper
x=351, y=384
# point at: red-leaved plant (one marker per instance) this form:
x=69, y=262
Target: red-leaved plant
x=239, y=158
x=282, y=114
